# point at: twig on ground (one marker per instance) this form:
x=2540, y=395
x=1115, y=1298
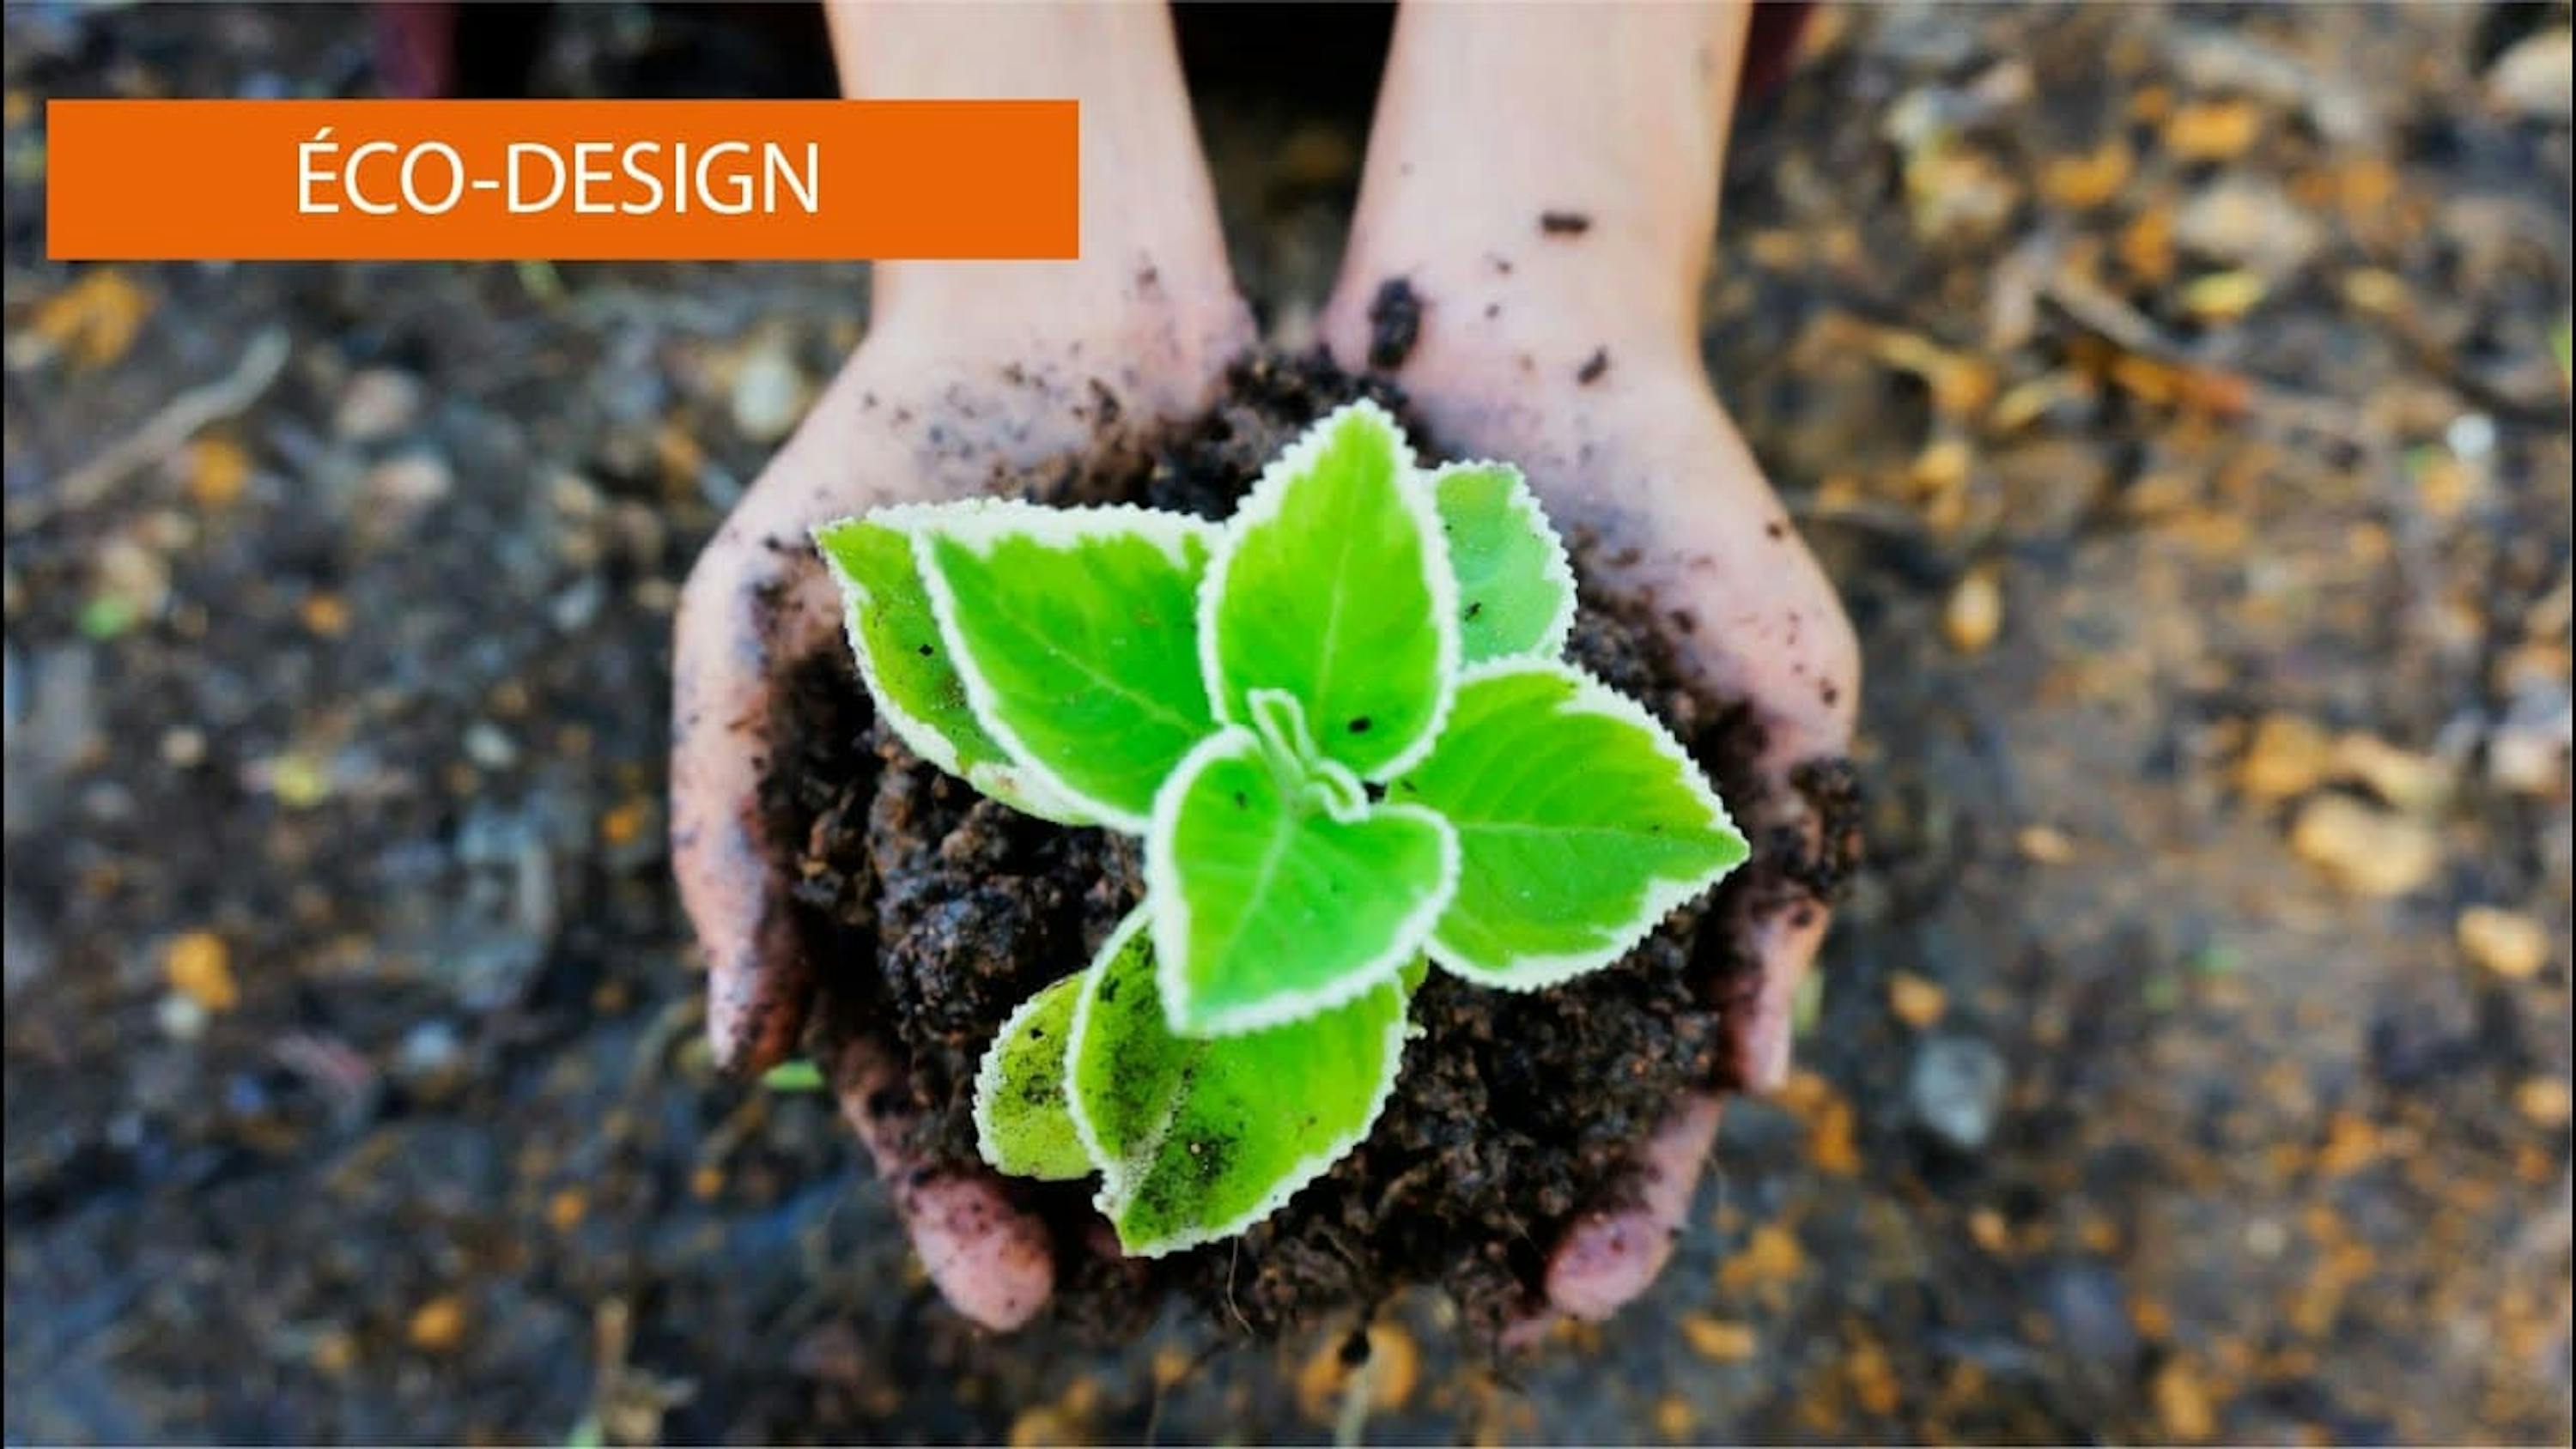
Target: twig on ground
x=170, y=429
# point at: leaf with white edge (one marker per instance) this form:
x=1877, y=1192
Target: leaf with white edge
x=1075, y=633
x=904, y=659
x=1333, y=584
x=1515, y=588
x=1199, y=1138
x=1278, y=892
x=1023, y=1125
x=1580, y=823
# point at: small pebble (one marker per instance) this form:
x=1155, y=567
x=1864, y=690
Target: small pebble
x=429, y=1048
x=2224, y=296
x=199, y=966
x=438, y=1325
x=566, y=1208
x=1957, y=1089
x=2044, y=845
x=2182, y=1402
x=2213, y=130
x=1974, y=613
x=133, y=575
x=1044, y=1427
x=326, y=615
x=1719, y=1340
x=2368, y=852
x=2527, y=753
x=2265, y=1238
x=216, y=470
x=2543, y=1101
x=2472, y=436
x=2403, y=778
x=2287, y=756
x=410, y=483
x=183, y=748
x=379, y=403
x=768, y=395
x=180, y=1017
x=2249, y=224
x=578, y=606
x=1941, y=467
x=2531, y=79
x=487, y=745
x=335, y=1351
x=2508, y=943
x=299, y=781
x=1917, y=1002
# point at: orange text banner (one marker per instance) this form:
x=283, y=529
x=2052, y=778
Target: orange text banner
x=562, y=180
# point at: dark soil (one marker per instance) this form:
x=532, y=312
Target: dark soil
x=1395, y=324
x=1515, y=1110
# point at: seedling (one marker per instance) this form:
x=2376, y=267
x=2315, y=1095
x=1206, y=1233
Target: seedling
x=1341, y=724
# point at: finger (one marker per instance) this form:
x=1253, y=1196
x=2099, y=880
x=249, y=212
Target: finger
x=1799, y=823
x=1802, y=681
x=744, y=613
x=1608, y=1257
x=1782, y=936
x=991, y=1261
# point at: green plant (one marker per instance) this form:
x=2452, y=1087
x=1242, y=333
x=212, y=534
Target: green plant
x=1341, y=725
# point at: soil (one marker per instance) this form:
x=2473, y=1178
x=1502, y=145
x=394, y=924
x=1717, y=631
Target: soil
x=1514, y=1111
x=1395, y=324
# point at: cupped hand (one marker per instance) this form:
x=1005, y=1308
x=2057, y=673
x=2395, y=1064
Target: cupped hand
x=1643, y=471
x=975, y=391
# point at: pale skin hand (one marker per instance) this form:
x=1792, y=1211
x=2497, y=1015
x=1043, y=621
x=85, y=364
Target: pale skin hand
x=972, y=370
x=1576, y=356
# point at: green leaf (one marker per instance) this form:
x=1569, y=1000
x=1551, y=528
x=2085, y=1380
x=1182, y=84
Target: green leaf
x=1278, y=890
x=906, y=664
x=1075, y=633
x=798, y=1075
x=1580, y=823
x=1515, y=588
x=1199, y=1138
x=1022, y=1124
x=1333, y=584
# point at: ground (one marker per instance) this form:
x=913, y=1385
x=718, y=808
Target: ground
x=2179, y=397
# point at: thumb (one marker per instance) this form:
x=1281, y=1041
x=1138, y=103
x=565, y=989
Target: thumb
x=993, y=1262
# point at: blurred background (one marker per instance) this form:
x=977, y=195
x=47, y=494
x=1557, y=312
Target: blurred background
x=2179, y=395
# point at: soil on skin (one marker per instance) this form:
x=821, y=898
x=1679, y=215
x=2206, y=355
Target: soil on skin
x=944, y=911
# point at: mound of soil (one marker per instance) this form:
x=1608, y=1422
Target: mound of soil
x=937, y=911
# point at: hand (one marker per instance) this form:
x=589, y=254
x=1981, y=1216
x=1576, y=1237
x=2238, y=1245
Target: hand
x=1644, y=464
x=1572, y=350
x=969, y=372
